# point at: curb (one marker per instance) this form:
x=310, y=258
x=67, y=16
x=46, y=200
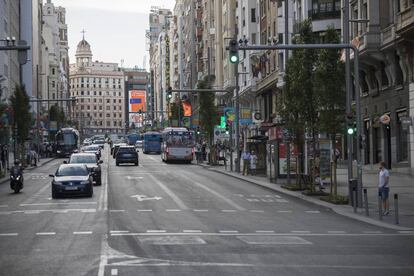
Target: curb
x=6, y=179
x=338, y=210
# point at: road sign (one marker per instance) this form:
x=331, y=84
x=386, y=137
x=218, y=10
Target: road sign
x=220, y=134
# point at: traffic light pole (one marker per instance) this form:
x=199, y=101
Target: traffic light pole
x=345, y=46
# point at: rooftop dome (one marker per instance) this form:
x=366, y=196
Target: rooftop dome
x=83, y=45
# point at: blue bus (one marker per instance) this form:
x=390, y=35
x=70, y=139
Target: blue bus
x=133, y=138
x=67, y=141
x=152, y=142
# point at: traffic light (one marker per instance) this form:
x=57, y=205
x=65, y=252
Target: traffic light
x=169, y=93
x=227, y=129
x=198, y=131
x=234, y=51
x=351, y=130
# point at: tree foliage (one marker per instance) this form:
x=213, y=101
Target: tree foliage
x=21, y=113
x=208, y=110
x=57, y=114
x=177, y=111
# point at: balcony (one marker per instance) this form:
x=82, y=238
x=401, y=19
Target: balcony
x=405, y=21
x=323, y=15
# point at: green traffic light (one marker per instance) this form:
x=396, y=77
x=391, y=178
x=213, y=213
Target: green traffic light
x=234, y=59
x=350, y=131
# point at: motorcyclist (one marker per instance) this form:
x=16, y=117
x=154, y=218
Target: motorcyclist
x=17, y=169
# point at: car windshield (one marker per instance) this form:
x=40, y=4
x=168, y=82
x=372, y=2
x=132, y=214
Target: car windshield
x=99, y=142
x=91, y=148
x=83, y=159
x=72, y=171
x=126, y=150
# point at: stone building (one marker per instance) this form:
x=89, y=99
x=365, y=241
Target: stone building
x=99, y=91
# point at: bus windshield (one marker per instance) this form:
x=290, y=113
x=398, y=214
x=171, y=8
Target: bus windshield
x=180, y=139
x=66, y=139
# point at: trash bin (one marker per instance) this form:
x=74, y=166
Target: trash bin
x=353, y=185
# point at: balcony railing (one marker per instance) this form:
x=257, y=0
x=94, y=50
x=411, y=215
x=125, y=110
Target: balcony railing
x=321, y=15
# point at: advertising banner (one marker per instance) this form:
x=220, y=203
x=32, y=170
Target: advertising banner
x=245, y=116
x=187, y=109
x=229, y=115
x=137, y=100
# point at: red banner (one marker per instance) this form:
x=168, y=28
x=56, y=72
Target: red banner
x=187, y=109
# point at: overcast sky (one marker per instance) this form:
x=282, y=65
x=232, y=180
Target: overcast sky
x=114, y=29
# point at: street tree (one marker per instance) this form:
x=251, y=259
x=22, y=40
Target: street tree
x=300, y=104
x=329, y=84
x=22, y=118
x=208, y=112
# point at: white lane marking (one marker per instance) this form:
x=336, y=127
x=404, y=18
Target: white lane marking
x=32, y=212
x=156, y=231
x=200, y=210
x=8, y=234
x=284, y=211
x=82, y=232
x=173, y=210
x=144, y=210
x=263, y=234
x=336, y=232
x=103, y=197
x=144, y=197
x=257, y=211
x=300, y=232
x=228, y=231
x=89, y=211
x=406, y=232
x=265, y=231
x=60, y=211
x=252, y=199
x=174, y=197
x=133, y=177
x=116, y=211
x=266, y=240
x=228, y=211
x=312, y=212
x=45, y=233
x=58, y=203
x=114, y=272
x=229, y=201
x=192, y=231
x=372, y=232
x=118, y=231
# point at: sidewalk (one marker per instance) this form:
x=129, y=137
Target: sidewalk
x=402, y=184
x=42, y=161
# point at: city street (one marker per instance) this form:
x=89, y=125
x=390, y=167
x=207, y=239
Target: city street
x=179, y=219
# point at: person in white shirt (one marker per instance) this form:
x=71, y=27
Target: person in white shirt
x=253, y=163
x=383, y=188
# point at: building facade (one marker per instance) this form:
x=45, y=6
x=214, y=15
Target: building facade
x=99, y=91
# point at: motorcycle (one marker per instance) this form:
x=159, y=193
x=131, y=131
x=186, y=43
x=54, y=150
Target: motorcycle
x=16, y=181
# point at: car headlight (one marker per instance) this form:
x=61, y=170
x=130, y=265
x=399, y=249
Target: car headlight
x=84, y=182
x=58, y=151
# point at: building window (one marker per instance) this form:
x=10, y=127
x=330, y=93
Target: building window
x=53, y=71
x=253, y=15
x=108, y=101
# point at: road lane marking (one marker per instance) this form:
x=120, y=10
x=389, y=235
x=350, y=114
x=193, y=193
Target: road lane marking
x=200, y=210
x=114, y=272
x=257, y=211
x=272, y=240
x=228, y=231
x=156, y=231
x=88, y=211
x=228, y=211
x=284, y=211
x=312, y=212
x=32, y=212
x=173, y=210
x=192, y=231
x=300, y=232
x=144, y=210
x=8, y=234
x=172, y=240
x=174, y=197
x=58, y=203
x=227, y=200
x=261, y=234
x=406, y=232
x=45, y=233
x=265, y=231
x=336, y=232
x=82, y=232
x=118, y=231
x=116, y=211
x=372, y=232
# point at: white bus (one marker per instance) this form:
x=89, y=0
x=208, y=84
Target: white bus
x=177, y=144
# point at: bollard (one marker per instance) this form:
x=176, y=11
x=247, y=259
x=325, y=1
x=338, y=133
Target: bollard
x=366, y=203
x=354, y=203
x=379, y=207
x=397, y=219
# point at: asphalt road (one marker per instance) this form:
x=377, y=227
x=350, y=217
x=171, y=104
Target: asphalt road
x=177, y=219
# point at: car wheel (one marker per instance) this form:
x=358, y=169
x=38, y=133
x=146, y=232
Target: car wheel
x=117, y=163
x=136, y=163
x=90, y=194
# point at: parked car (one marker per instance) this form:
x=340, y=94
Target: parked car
x=91, y=162
x=126, y=154
x=72, y=179
x=92, y=149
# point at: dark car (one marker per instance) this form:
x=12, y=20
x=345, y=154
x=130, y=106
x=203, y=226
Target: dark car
x=72, y=179
x=116, y=147
x=92, y=149
x=91, y=162
x=126, y=154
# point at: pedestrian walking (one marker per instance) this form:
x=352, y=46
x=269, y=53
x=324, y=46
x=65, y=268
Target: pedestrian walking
x=253, y=163
x=246, y=159
x=383, y=187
